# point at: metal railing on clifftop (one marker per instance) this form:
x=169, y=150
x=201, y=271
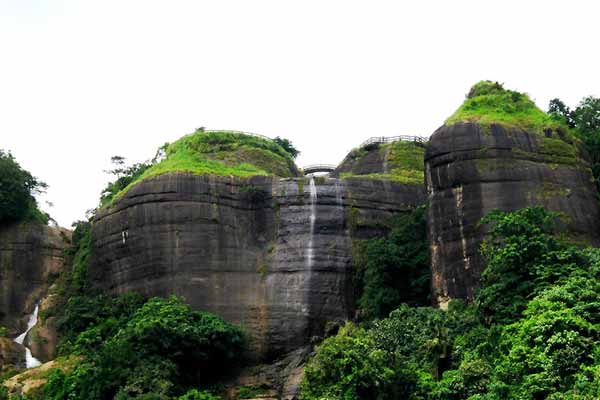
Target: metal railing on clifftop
x=388, y=139
x=258, y=135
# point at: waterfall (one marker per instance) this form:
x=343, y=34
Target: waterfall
x=338, y=195
x=30, y=360
x=313, y=217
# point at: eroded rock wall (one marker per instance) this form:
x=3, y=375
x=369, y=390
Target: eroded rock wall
x=245, y=248
x=31, y=256
x=471, y=170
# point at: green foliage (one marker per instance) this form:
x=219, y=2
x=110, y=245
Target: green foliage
x=3, y=331
x=87, y=321
x=17, y=188
x=488, y=102
x=585, y=119
x=524, y=256
x=348, y=366
x=151, y=350
x=403, y=160
x=125, y=176
x=399, y=357
x=287, y=146
x=249, y=392
x=195, y=394
x=222, y=153
x=534, y=332
x=82, y=241
x=395, y=269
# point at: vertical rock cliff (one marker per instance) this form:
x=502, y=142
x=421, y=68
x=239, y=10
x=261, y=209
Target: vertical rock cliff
x=271, y=254
x=475, y=165
x=31, y=256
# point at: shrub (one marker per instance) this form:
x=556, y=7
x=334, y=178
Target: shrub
x=150, y=350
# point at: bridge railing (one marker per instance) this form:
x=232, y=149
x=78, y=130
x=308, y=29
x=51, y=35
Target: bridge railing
x=388, y=139
x=258, y=135
x=318, y=168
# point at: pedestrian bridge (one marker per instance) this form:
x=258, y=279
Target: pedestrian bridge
x=311, y=169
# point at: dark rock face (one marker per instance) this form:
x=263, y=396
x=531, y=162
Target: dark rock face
x=201, y=237
x=12, y=354
x=30, y=256
x=43, y=337
x=362, y=162
x=471, y=170
x=271, y=255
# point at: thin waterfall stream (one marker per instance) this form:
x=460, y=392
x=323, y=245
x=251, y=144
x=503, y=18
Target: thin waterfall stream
x=30, y=360
x=313, y=217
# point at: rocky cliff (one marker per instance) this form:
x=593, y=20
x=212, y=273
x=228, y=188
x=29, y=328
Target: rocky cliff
x=271, y=254
x=31, y=256
x=244, y=248
x=474, y=167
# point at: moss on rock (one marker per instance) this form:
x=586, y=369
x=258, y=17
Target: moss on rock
x=400, y=161
x=224, y=153
x=490, y=103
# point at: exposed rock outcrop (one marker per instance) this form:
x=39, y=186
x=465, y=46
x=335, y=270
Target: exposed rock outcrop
x=31, y=256
x=30, y=383
x=245, y=248
x=12, y=354
x=472, y=169
x=43, y=337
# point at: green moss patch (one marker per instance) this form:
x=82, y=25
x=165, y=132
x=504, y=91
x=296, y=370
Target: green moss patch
x=403, y=162
x=489, y=103
x=222, y=153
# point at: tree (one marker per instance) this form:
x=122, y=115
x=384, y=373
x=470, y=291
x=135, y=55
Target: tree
x=125, y=174
x=17, y=190
x=525, y=255
x=396, y=267
x=287, y=146
x=585, y=119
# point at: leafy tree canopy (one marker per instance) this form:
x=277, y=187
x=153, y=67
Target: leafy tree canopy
x=287, y=146
x=17, y=190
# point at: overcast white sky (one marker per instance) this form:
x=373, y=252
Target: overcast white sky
x=81, y=81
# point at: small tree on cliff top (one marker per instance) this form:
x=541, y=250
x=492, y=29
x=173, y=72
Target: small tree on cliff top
x=17, y=188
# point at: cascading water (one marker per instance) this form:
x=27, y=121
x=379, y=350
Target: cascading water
x=338, y=195
x=30, y=360
x=313, y=217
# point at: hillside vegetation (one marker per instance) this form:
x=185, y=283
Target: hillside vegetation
x=532, y=333
x=402, y=161
x=223, y=153
x=490, y=103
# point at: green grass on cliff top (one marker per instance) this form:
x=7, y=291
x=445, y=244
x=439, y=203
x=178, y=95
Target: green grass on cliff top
x=222, y=153
x=404, y=163
x=488, y=102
